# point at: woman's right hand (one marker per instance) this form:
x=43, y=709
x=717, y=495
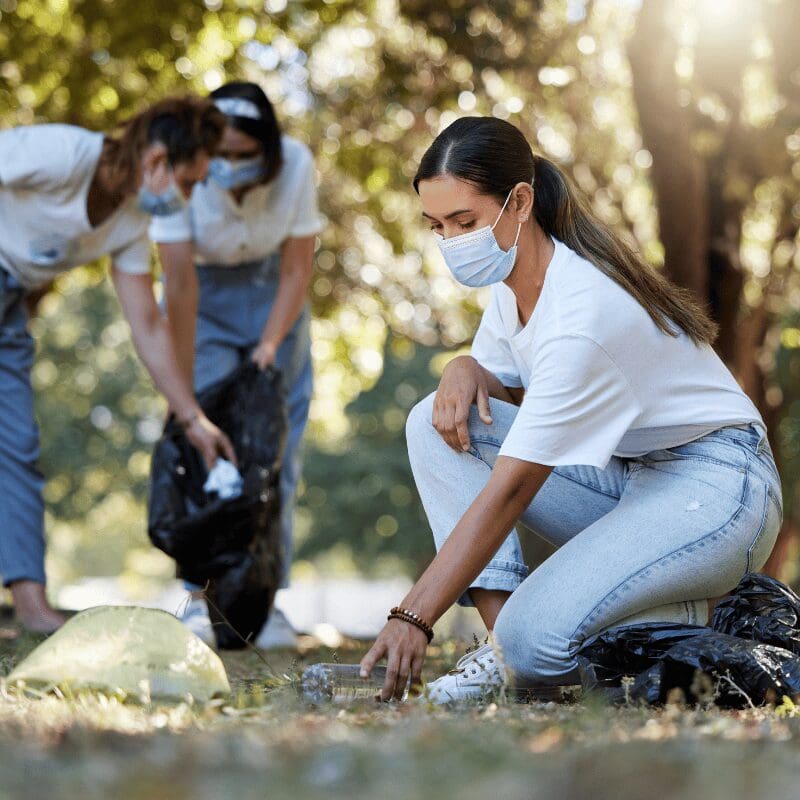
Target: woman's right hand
x=204, y=435
x=463, y=383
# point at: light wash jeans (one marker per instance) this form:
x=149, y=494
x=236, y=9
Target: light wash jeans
x=234, y=305
x=647, y=539
x=21, y=483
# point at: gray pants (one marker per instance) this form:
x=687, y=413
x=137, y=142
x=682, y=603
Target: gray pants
x=21, y=504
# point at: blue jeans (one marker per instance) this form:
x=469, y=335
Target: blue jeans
x=235, y=303
x=647, y=539
x=21, y=483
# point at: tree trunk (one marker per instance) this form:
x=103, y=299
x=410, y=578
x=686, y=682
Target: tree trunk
x=700, y=228
x=678, y=174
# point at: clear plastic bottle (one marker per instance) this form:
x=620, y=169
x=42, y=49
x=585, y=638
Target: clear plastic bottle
x=340, y=683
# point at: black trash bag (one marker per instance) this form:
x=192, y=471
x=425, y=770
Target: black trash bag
x=605, y=659
x=231, y=545
x=763, y=609
x=741, y=672
x=750, y=651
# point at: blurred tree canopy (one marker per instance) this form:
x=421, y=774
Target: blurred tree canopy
x=678, y=118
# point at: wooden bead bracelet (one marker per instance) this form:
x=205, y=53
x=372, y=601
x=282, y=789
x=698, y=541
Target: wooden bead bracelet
x=413, y=619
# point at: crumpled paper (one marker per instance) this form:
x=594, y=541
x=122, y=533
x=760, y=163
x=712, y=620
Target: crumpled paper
x=224, y=479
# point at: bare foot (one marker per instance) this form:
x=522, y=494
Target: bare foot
x=32, y=609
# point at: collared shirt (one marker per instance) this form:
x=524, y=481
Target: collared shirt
x=228, y=233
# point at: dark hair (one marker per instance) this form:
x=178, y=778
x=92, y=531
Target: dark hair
x=494, y=156
x=266, y=129
x=186, y=126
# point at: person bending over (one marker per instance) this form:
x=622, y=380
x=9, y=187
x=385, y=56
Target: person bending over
x=69, y=196
x=237, y=262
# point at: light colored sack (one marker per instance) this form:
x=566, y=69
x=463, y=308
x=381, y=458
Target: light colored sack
x=130, y=652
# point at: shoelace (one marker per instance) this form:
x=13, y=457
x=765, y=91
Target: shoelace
x=474, y=671
x=477, y=660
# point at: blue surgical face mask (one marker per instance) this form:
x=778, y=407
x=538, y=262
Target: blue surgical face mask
x=233, y=174
x=475, y=258
x=161, y=204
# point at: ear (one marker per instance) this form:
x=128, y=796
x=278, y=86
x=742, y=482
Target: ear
x=522, y=201
x=154, y=156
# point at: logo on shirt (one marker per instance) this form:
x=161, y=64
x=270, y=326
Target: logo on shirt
x=51, y=250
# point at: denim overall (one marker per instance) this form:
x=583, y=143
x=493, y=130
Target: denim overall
x=235, y=303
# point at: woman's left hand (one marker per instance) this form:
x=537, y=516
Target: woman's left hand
x=404, y=647
x=264, y=354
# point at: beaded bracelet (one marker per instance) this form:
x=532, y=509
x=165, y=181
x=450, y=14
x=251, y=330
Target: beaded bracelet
x=413, y=619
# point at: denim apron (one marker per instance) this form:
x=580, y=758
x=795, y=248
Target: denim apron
x=235, y=303
x=21, y=483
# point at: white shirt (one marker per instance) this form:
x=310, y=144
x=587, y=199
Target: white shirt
x=227, y=233
x=600, y=377
x=45, y=174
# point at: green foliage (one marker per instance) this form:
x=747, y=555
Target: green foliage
x=361, y=491
x=787, y=376
x=99, y=416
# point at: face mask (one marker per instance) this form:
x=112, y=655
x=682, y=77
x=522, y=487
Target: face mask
x=233, y=174
x=170, y=201
x=475, y=258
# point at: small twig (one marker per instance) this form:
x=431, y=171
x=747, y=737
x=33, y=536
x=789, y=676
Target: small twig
x=627, y=684
x=246, y=641
x=183, y=605
x=738, y=689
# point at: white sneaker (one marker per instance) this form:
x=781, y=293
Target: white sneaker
x=195, y=618
x=476, y=675
x=277, y=633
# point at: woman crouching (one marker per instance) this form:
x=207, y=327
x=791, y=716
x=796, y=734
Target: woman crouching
x=593, y=412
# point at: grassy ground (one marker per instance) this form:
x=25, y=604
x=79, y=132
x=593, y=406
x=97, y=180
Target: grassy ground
x=267, y=743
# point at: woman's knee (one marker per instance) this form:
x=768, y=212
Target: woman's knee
x=419, y=423
x=532, y=651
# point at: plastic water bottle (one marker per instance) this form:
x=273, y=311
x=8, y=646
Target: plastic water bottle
x=341, y=683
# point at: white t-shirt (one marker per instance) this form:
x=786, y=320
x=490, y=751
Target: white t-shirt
x=600, y=377
x=226, y=233
x=45, y=174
